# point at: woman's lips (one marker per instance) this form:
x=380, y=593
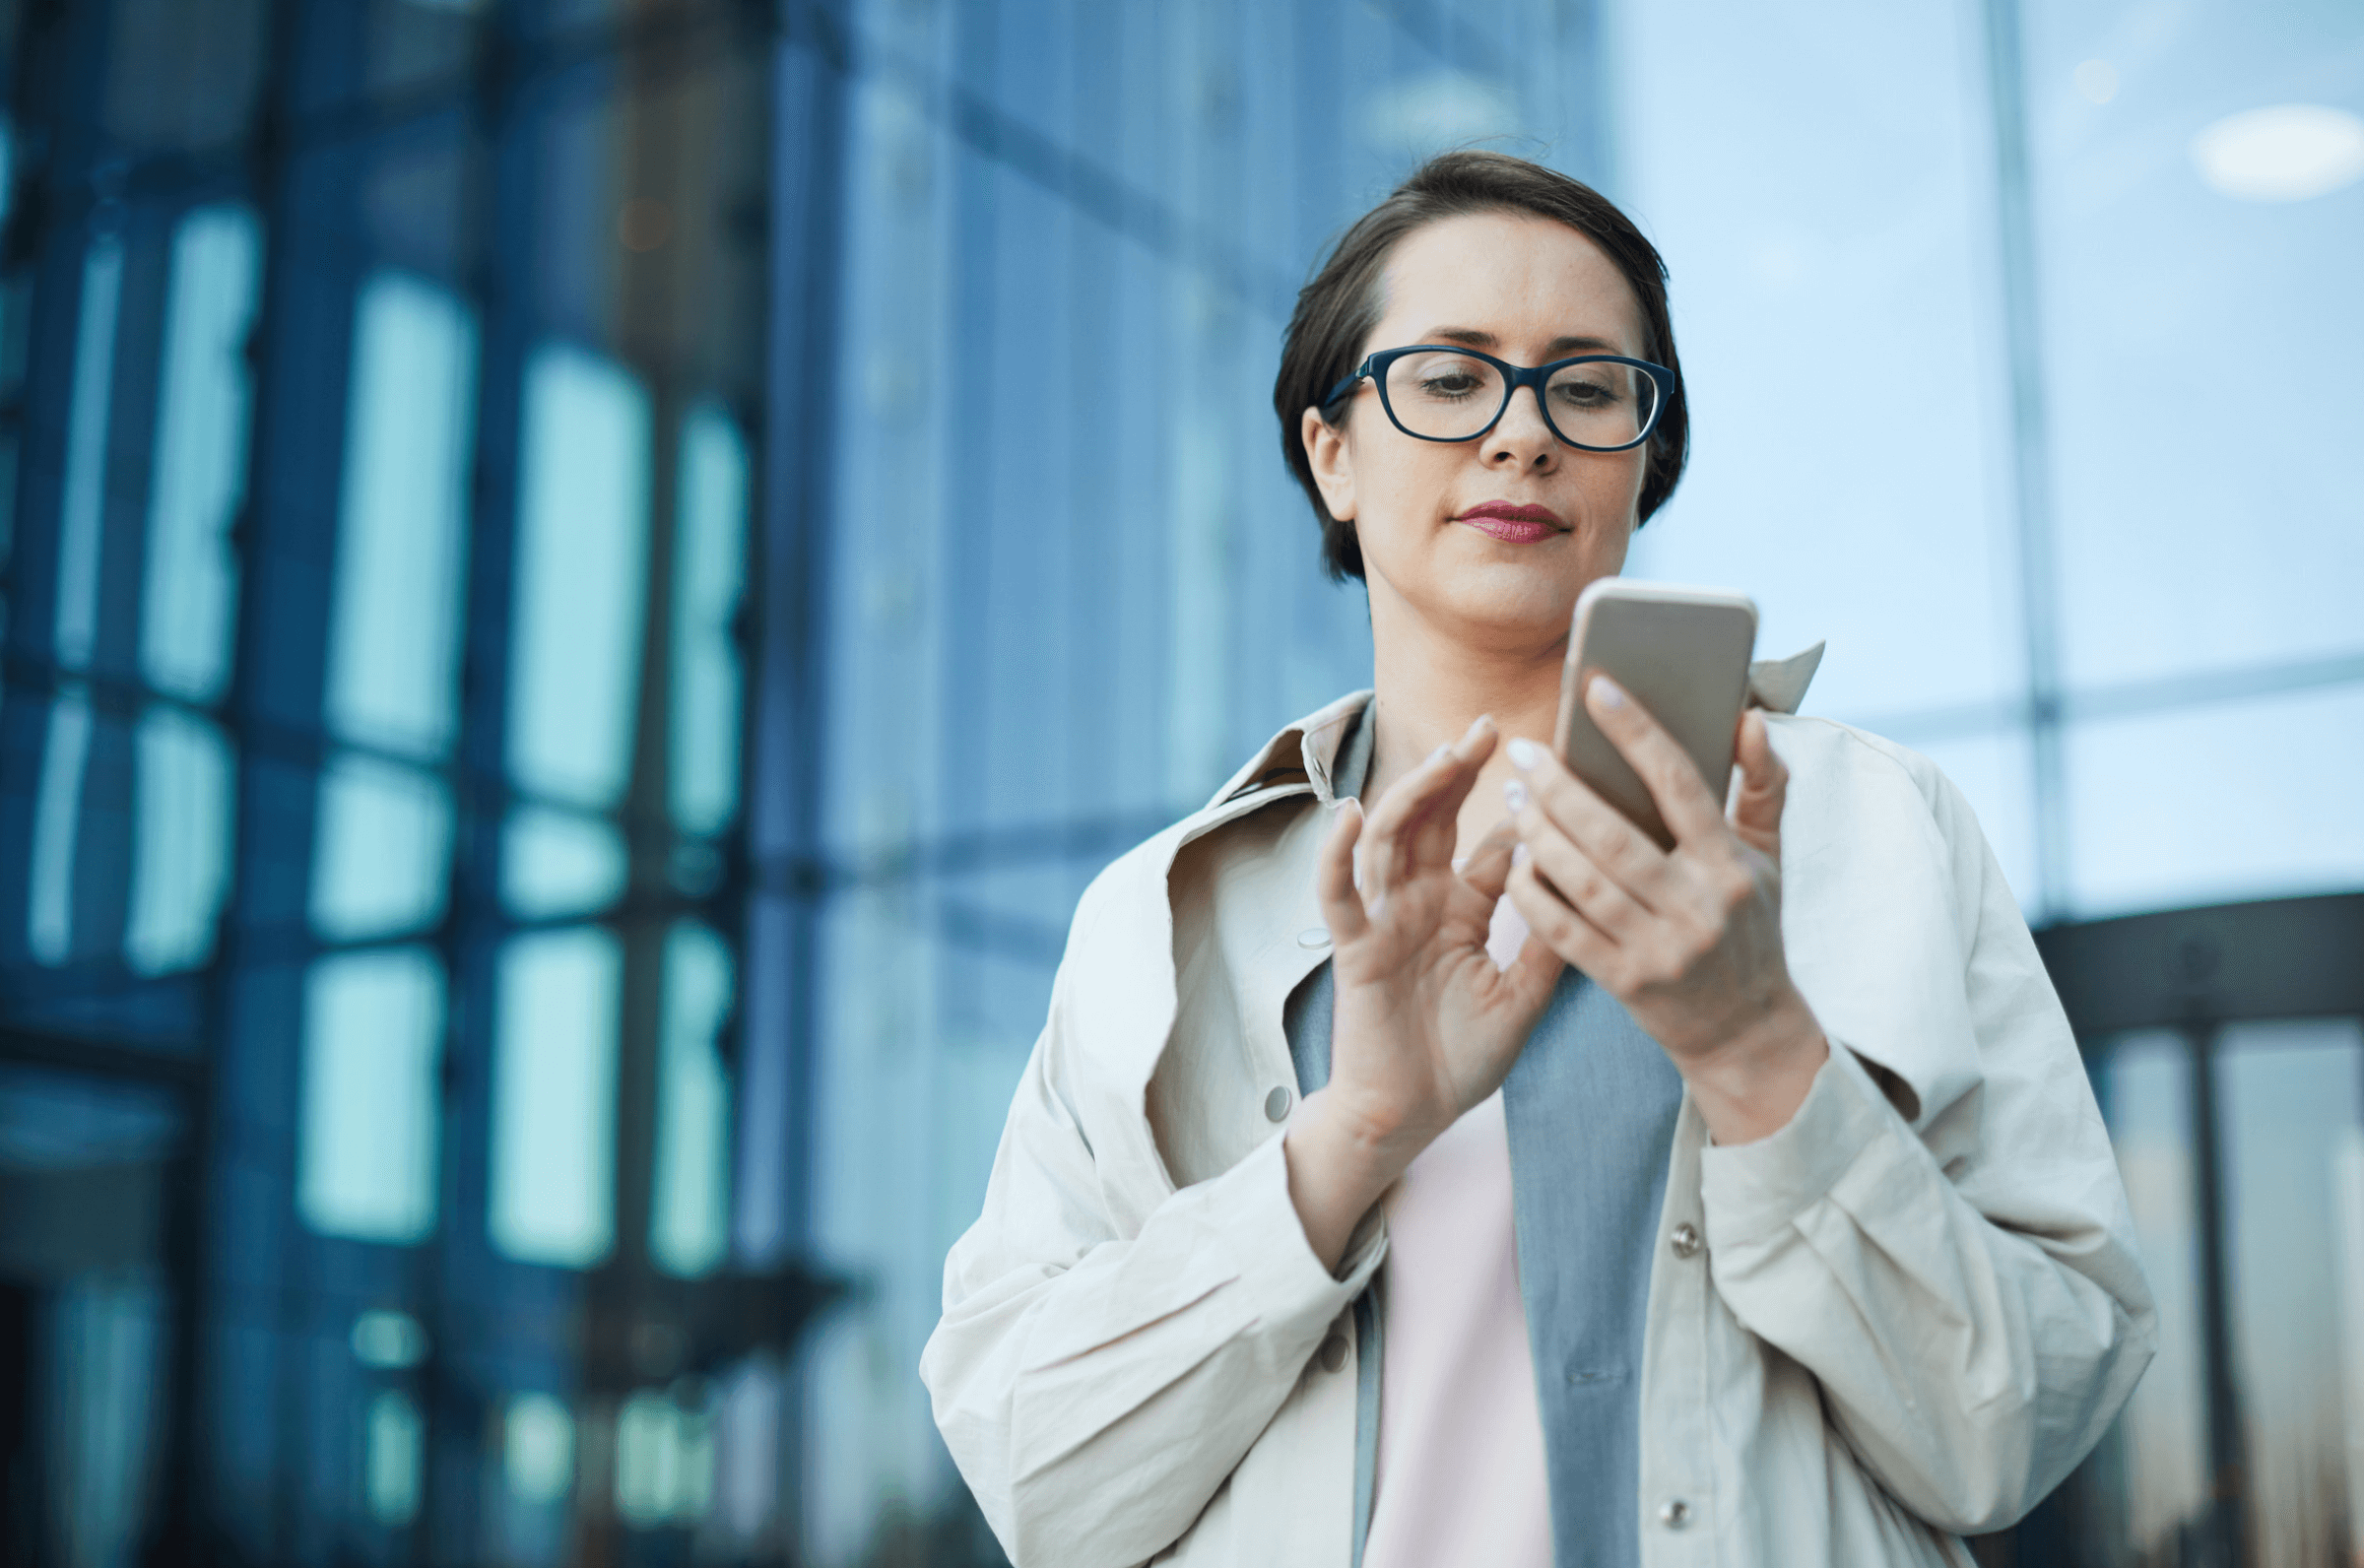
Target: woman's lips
x=1513, y=525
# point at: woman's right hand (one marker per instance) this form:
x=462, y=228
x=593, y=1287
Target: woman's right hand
x=1425, y=1025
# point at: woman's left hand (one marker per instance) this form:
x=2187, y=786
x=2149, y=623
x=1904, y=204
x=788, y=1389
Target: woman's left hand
x=1688, y=940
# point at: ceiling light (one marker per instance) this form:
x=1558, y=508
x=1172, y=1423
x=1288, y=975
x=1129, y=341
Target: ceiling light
x=2284, y=154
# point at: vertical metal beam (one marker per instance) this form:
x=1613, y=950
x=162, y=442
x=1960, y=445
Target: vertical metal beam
x=2031, y=450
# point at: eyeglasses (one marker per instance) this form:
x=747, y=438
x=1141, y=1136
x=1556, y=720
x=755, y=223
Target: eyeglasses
x=1600, y=401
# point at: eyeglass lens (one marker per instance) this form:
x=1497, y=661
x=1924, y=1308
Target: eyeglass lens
x=1452, y=396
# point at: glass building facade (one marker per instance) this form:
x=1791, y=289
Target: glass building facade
x=587, y=581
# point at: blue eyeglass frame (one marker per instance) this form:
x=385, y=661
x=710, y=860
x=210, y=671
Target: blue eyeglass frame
x=1514, y=376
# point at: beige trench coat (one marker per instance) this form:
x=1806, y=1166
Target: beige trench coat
x=1916, y=1309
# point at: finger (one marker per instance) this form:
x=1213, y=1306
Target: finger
x=1334, y=876
x=1570, y=871
x=1764, y=783
x=1606, y=835
x=1488, y=864
x=1428, y=796
x=1560, y=928
x=1689, y=808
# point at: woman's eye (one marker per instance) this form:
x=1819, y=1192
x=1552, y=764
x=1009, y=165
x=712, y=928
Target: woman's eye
x=1587, y=395
x=1454, y=385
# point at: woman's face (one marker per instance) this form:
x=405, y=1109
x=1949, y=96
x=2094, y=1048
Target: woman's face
x=1524, y=290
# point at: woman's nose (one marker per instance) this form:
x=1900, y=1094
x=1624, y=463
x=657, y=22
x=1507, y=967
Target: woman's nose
x=1521, y=436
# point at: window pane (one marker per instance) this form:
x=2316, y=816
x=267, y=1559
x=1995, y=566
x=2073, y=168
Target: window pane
x=381, y=860
x=582, y=555
x=393, y=658
x=2191, y=535
x=2293, y=1103
x=84, y=505
x=554, y=1105
x=709, y=572
x=2144, y=1085
x=181, y=864
x=372, y=1047
x=559, y=863
x=397, y=1440
x=689, y=1215
x=1888, y=534
x=200, y=454
x=57, y=827
x=2216, y=804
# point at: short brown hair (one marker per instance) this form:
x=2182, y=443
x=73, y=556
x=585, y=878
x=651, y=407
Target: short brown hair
x=1337, y=309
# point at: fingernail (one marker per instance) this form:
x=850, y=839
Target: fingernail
x=1379, y=906
x=1517, y=856
x=1607, y=693
x=1524, y=753
x=1437, y=755
x=1515, y=793
x=1478, y=725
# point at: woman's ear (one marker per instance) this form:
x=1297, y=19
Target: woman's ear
x=1332, y=463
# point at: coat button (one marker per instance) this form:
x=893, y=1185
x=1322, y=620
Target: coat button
x=1686, y=1242
x=1316, y=936
x=1674, y=1513
x=1334, y=1352
x=1276, y=1105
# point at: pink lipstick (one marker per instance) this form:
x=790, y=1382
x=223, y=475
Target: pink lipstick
x=1513, y=525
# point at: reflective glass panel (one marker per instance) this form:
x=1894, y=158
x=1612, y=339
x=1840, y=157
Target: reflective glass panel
x=1888, y=534
x=710, y=573
x=180, y=840
x=382, y=848
x=57, y=827
x=83, y=509
x=2291, y=1099
x=371, y=1100
x=2176, y=248
x=554, y=1098
x=559, y=863
x=2155, y=1463
x=2218, y=803
x=582, y=555
x=689, y=1215
x=393, y=660
x=190, y=596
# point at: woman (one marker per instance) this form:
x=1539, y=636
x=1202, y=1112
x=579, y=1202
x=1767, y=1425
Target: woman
x=1473, y=1181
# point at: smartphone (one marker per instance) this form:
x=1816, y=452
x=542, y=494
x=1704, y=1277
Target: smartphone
x=1682, y=654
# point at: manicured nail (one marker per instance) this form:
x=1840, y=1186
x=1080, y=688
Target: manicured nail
x=1515, y=793
x=1478, y=726
x=1607, y=693
x=1438, y=756
x=1524, y=753
x=1517, y=856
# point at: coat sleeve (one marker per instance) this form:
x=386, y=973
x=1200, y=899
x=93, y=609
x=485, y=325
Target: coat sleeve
x=1097, y=1388
x=1968, y=1294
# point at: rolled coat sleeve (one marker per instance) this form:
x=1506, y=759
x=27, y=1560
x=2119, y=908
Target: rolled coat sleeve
x=1096, y=1383
x=1960, y=1275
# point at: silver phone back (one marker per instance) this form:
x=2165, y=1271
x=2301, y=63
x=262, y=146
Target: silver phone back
x=1682, y=654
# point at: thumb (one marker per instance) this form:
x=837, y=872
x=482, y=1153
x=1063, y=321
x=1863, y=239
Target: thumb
x=1764, y=785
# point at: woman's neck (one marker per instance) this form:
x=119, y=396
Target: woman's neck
x=1429, y=688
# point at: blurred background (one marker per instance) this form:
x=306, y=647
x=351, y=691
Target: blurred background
x=586, y=583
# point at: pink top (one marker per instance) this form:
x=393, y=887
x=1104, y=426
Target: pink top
x=1460, y=1477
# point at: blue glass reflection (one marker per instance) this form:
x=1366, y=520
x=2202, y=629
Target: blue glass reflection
x=370, y=1105
x=393, y=657
x=554, y=1098
x=582, y=555
x=709, y=572
x=186, y=608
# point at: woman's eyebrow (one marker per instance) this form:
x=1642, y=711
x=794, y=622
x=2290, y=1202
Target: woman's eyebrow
x=1477, y=338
